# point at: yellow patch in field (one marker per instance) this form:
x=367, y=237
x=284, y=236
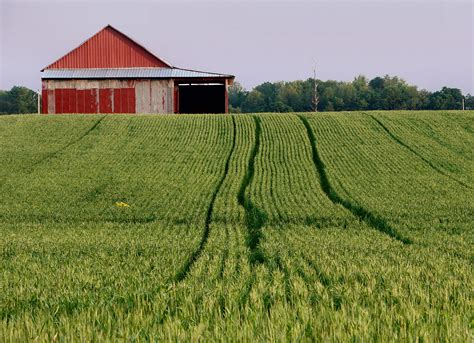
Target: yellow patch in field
x=121, y=204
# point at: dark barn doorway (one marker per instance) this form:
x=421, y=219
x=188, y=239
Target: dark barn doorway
x=199, y=98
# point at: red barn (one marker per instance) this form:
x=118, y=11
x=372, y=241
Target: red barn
x=111, y=73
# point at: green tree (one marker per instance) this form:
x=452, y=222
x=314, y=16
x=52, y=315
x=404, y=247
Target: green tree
x=469, y=102
x=361, y=87
x=254, y=102
x=18, y=100
x=270, y=94
x=423, y=100
x=237, y=95
x=446, y=99
x=5, y=102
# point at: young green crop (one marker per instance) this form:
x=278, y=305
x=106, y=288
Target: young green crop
x=281, y=227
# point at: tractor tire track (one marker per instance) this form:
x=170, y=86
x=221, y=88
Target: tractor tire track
x=376, y=222
x=245, y=294
x=59, y=151
x=417, y=154
x=255, y=218
x=224, y=256
x=184, y=270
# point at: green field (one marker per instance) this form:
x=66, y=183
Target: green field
x=281, y=227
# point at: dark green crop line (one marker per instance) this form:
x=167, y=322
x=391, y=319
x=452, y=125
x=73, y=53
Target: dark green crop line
x=184, y=270
x=286, y=278
x=255, y=218
x=245, y=294
x=363, y=214
x=416, y=153
x=323, y=278
x=57, y=152
x=225, y=254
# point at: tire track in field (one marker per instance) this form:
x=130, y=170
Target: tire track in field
x=60, y=150
x=224, y=256
x=376, y=222
x=416, y=153
x=245, y=294
x=255, y=218
x=184, y=270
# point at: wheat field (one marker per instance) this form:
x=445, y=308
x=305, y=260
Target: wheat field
x=270, y=227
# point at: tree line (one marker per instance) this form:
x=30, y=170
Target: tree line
x=380, y=93
x=18, y=100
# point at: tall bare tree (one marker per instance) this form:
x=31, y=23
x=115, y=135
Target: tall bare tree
x=315, y=99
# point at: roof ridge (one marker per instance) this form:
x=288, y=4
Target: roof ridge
x=119, y=32
x=141, y=45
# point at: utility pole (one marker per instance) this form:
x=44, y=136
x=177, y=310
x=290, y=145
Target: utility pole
x=463, y=103
x=315, y=91
x=38, y=95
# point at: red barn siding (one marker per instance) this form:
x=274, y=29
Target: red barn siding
x=58, y=100
x=65, y=100
x=117, y=101
x=107, y=96
x=108, y=49
x=44, y=101
x=176, y=100
x=123, y=100
x=90, y=101
x=69, y=104
x=80, y=100
x=105, y=100
x=73, y=101
x=131, y=100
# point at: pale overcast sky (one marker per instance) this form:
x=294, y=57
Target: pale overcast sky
x=428, y=43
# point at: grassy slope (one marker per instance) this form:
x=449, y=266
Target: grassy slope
x=326, y=226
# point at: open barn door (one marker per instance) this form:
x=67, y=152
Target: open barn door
x=202, y=98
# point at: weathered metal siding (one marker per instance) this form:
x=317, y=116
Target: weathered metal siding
x=108, y=49
x=108, y=96
x=154, y=96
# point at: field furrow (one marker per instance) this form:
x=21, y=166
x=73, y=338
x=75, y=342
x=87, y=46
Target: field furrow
x=255, y=218
x=20, y=151
x=182, y=272
x=377, y=222
x=427, y=137
x=424, y=159
x=286, y=185
x=367, y=166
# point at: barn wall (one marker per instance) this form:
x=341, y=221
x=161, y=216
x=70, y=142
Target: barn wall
x=108, y=96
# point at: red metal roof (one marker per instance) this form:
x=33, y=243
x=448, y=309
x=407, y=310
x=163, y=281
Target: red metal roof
x=109, y=48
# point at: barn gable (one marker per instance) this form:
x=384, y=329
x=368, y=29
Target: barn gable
x=109, y=48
